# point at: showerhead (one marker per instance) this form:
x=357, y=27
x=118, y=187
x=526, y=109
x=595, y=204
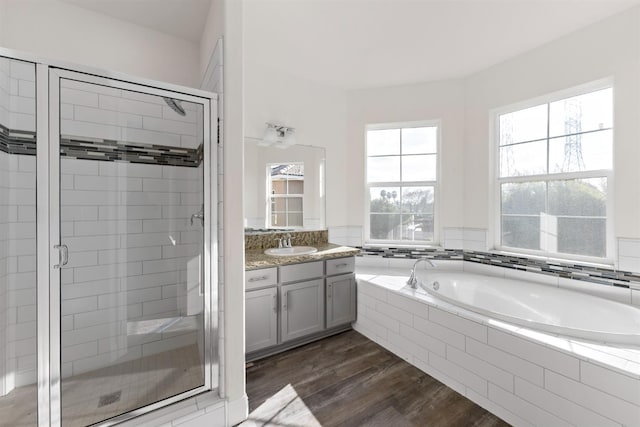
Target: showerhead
x=175, y=105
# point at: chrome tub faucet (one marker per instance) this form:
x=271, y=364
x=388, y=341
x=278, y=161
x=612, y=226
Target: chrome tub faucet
x=413, y=281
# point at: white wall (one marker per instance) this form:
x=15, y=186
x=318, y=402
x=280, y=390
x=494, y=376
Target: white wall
x=212, y=33
x=610, y=48
x=61, y=31
x=3, y=19
x=232, y=328
x=442, y=101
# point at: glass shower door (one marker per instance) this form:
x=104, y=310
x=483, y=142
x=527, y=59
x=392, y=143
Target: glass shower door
x=133, y=302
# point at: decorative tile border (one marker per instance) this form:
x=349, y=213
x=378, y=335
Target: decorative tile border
x=24, y=142
x=574, y=271
x=17, y=141
x=412, y=253
x=111, y=151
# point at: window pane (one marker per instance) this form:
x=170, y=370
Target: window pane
x=296, y=187
x=523, y=198
x=523, y=159
x=578, y=197
x=279, y=219
x=295, y=204
x=278, y=187
x=383, y=142
x=417, y=227
x=385, y=226
x=419, y=168
x=295, y=220
x=417, y=200
x=384, y=199
x=383, y=169
x=591, y=151
x=521, y=231
x=419, y=140
x=278, y=204
x=591, y=111
x=582, y=236
x=524, y=125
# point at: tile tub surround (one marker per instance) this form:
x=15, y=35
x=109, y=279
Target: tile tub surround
x=256, y=259
x=266, y=240
x=523, y=376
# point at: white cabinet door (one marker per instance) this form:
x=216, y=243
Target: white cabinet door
x=261, y=314
x=302, y=309
x=341, y=300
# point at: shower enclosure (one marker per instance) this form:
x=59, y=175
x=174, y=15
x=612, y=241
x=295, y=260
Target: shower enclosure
x=108, y=302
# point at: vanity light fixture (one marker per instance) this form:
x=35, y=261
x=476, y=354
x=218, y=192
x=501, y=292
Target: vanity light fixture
x=278, y=135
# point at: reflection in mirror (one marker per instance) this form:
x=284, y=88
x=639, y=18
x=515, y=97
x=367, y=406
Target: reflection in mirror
x=283, y=188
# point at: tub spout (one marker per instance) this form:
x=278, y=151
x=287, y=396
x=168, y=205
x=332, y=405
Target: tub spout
x=413, y=281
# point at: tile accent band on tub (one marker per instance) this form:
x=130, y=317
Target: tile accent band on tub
x=24, y=142
x=568, y=270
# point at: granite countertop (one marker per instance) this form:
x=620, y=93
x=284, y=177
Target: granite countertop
x=255, y=258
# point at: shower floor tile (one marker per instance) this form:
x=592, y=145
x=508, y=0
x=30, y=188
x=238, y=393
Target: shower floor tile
x=140, y=382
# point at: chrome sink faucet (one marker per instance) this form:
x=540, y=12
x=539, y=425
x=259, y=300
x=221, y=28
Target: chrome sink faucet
x=413, y=281
x=285, y=242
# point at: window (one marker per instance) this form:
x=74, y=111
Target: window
x=554, y=166
x=401, y=181
x=286, y=194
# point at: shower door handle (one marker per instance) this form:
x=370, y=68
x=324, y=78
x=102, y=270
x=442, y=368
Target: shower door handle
x=63, y=255
x=199, y=215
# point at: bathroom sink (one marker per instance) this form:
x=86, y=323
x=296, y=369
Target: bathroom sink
x=293, y=251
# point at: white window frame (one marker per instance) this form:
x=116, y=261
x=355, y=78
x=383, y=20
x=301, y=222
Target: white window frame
x=283, y=196
x=497, y=181
x=437, y=123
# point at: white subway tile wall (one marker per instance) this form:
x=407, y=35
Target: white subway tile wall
x=348, y=235
x=629, y=254
x=93, y=111
x=17, y=232
x=505, y=373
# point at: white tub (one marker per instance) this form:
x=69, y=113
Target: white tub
x=536, y=306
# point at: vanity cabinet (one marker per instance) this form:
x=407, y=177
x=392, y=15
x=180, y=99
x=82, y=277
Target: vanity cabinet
x=294, y=304
x=341, y=300
x=261, y=325
x=302, y=309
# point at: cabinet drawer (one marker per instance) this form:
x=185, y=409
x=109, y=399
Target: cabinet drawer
x=298, y=272
x=340, y=266
x=254, y=279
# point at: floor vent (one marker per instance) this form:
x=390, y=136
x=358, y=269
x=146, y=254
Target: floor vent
x=110, y=398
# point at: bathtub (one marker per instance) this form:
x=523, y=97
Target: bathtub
x=532, y=354
x=535, y=306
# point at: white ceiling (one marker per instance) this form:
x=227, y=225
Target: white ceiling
x=353, y=44
x=366, y=43
x=181, y=18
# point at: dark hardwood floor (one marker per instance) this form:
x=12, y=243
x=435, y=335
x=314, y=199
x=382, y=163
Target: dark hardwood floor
x=348, y=380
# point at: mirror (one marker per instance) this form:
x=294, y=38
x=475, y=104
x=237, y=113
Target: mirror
x=284, y=188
